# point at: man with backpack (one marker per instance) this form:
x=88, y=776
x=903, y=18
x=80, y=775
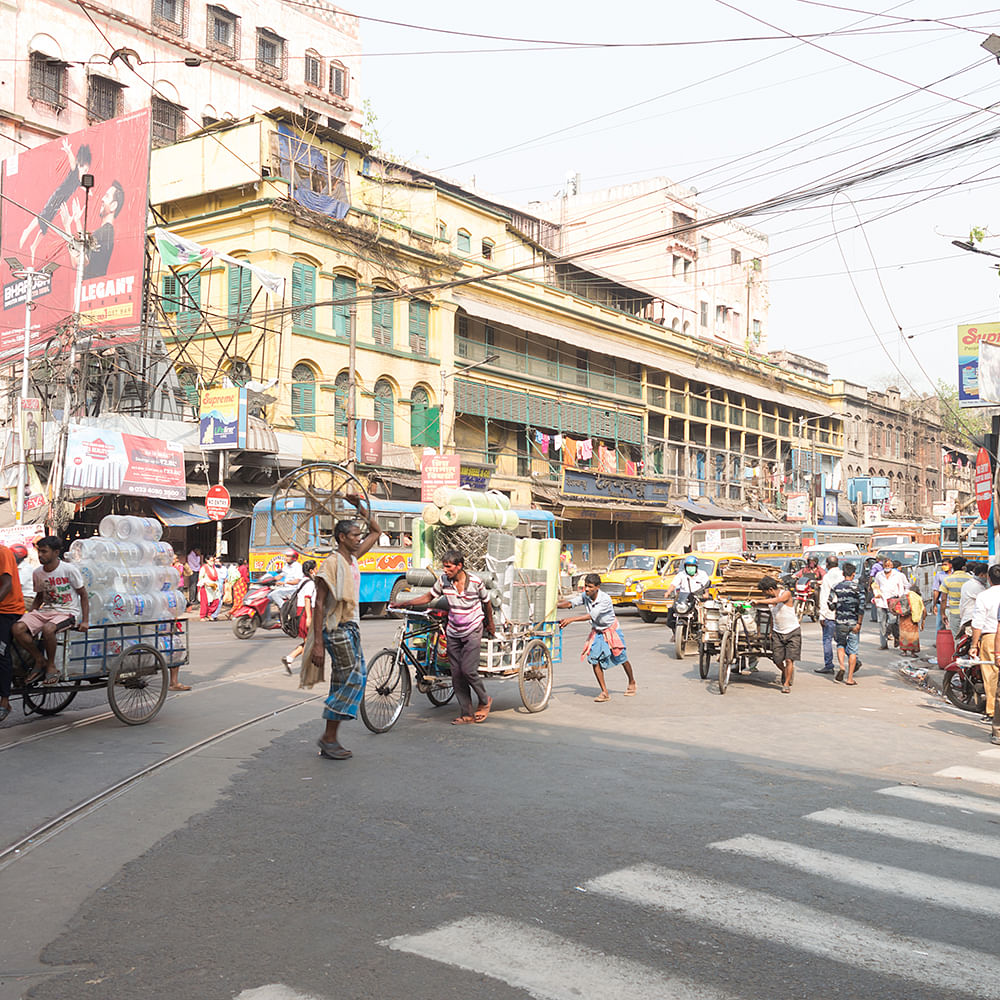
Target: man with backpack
x=304, y=597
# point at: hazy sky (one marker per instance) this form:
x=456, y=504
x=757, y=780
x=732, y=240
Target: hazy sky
x=742, y=121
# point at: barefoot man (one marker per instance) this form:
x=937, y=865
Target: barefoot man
x=606, y=645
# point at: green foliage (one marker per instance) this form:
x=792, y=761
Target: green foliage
x=960, y=426
x=977, y=235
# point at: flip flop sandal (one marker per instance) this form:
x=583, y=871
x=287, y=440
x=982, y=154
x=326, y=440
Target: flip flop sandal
x=851, y=683
x=482, y=713
x=463, y=720
x=629, y=694
x=34, y=677
x=51, y=679
x=603, y=697
x=4, y=712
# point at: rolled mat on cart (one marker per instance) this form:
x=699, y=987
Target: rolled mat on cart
x=421, y=548
x=531, y=550
x=453, y=517
x=446, y=496
x=420, y=577
x=431, y=514
x=549, y=561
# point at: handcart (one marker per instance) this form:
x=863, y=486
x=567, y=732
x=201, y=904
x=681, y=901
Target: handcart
x=526, y=652
x=714, y=622
x=747, y=636
x=132, y=661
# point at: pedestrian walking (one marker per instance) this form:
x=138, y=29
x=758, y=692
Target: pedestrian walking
x=605, y=647
x=786, y=633
x=241, y=584
x=951, y=593
x=937, y=598
x=911, y=621
x=470, y=617
x=827, y=617
x=984, y=619
x=889, y=585
x=849, y=610
x=194, y=564
x=208, y=588
x=305, y=597
x=337, y=630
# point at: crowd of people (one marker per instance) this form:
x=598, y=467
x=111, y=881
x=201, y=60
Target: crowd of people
x=212, y=585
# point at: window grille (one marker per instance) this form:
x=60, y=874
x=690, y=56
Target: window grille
x=338, y=79
x=270, y=53
x=48, y=80
x=222, y=31
x=171, y=15
x=104, y=99
x=167, y=122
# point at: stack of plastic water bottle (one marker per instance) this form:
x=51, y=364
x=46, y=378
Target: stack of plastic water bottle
x=130, y=578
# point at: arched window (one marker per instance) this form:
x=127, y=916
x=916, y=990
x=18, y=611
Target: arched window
x=238, y=372
x=339, y=78
x=303, y=294
x=425, y=429
x=343, y=288
x=340, y=405
x=385, y=408
x=382, y=317
x=463, y=241
x=304, y=397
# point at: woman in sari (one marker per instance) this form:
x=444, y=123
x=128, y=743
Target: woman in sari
x=208, y=589
x=241, y=584
x=911, y=621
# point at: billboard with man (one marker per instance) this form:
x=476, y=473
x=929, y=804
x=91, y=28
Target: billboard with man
x=46, y=202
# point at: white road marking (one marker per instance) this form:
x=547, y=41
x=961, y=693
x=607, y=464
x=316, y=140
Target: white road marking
x=935, y=797
x=543, y=964
x=867, y=874
x=274, y=991
x=993, y=753
x=976, y=774
x=780, y=921
x=911, y=830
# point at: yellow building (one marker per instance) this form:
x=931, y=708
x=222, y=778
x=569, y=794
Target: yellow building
x=472, y=335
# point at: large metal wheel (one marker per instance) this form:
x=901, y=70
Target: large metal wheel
x=704, y=660
x=727, y=655
x=50, y=700
x=307, y=503
x=534, y=677
x=680, y=640
x=137, y=684
x=387, y=691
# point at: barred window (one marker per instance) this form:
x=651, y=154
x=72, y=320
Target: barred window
x=338, y=79
x=314, y=69
x=222, y=32
x=48, y=80
x=270, y=53
x=171, y=15
x=167, y=122
x=104, y=99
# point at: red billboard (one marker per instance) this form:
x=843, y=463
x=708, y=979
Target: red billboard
x=108, y=461
x=45, y=202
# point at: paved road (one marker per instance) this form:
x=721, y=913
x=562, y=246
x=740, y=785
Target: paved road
x=678, y=844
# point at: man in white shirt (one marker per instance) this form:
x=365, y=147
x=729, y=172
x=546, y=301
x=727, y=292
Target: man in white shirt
x=971, y=589
x=827, y=615
x=985, y=612
x=288, y=581
x=888, y=584
x=690, y=580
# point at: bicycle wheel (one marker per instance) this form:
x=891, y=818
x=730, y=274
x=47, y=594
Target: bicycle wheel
x=704, y=660
x=387, y=691
x=534, y=677
x=50, y=701
x=137, y=684
x=726, y=657
x=442, y=692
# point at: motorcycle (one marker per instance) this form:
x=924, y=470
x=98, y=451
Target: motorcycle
x=806, y=598
x=963, y=677
x=686, y=622
x=252, y=614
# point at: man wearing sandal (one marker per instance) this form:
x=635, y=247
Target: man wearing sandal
x=470, y=617
x=60, y=600
x=606, y=645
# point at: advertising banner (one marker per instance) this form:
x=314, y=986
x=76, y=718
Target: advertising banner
x=107, y=461
x=223, y=419
x=969, y=339
x=45, y=201
x=29, y=412
x=797, y=507
x=439, y=470
x=369, y=438
x=599, y=485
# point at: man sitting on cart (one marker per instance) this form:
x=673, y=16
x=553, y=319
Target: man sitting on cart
x=606, y=645
x=60, y=601
x=470, y=617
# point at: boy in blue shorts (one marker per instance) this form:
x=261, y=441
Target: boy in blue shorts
x=849, y=609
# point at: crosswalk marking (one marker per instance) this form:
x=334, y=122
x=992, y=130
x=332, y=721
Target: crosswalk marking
x=274, y=991
x=849, y=942
x=909, y=829
x=977, y=774
x=867, y=874
x=992, y=753
x=935, y=797
x=545, y=965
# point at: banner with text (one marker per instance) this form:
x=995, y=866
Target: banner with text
x=969, y=340
x=439, y=470
x=107, y=461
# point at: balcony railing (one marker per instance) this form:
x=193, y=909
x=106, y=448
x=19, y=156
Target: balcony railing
x=550, y=369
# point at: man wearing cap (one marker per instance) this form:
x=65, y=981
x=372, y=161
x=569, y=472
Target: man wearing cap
x=287, y=582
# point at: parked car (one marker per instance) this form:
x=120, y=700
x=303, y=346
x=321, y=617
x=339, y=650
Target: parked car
x=920, y=563
x=651, y=597
x=621, y=579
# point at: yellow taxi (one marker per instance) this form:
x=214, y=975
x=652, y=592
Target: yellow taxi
x=622, y=578
x=651, y=601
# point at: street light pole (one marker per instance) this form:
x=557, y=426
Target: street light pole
x=444, y=392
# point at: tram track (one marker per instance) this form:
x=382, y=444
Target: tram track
x=51, y=828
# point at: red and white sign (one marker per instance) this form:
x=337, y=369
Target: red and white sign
x=984, y=483
x=107, y=461
x=796, y=506
x=370, y=442
x=439, y=470
x=217, y=501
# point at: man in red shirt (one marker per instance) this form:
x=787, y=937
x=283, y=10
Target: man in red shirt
x=11, y=608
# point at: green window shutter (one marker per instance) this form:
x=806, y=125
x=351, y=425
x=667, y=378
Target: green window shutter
x=419, y=314
x=239, y=296
x=343, y=288
x=304, y=294
x=425, y=421
x=382, y=319
x=340, y=405
x=432, y=431
x=385, y=409
x=169, y=292
x=189, y=318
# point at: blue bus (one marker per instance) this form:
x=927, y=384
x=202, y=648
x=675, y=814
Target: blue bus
x=829, y=534
x=383, y=569
x=975, y=541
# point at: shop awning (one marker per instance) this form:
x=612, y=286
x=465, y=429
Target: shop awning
x=604, y=511
x=185, y=513
x=710, y=511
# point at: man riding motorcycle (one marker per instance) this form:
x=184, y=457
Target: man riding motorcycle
x=812, y=570
x=690, y=580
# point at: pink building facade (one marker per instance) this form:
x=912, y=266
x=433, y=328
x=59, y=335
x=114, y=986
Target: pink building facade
x=67, y=65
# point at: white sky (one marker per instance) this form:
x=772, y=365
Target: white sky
x=724, y=118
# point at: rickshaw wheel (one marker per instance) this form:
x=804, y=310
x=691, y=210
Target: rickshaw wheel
x=726, y=656
x=387, y=691
x=137, y=684
x=48, y=701
x=704, y=660
x=535, y=675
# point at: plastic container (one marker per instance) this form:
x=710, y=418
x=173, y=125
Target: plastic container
x=135, y=529
x=108, y=528
x=945, y=647
x=163, y=553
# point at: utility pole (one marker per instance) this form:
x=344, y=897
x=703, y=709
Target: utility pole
x=352, y=379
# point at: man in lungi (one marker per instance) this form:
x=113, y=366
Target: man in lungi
x=336, y=629
x=606, y=645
